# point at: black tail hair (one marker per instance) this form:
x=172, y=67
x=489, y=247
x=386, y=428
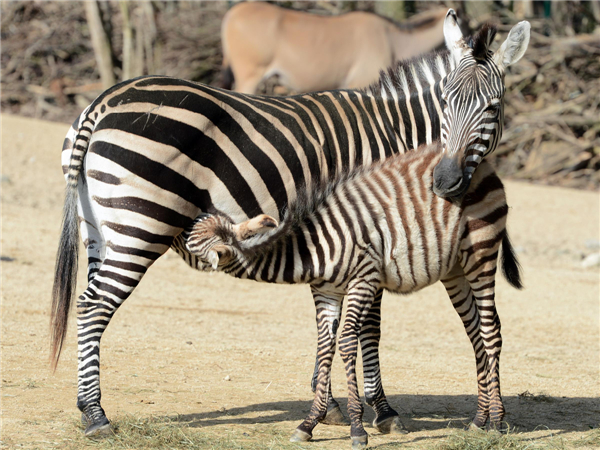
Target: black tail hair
x=65, y=273
x=510, y=265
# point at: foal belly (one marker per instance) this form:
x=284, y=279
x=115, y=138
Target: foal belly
x=410, y=272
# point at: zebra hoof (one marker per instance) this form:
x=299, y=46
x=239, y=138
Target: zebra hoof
x=391, y=425
x=360, y=442
x=300, y=436
x=473, y=427
x=98, y=429
x=335, y=416
x=95, y=422
x=499, y=427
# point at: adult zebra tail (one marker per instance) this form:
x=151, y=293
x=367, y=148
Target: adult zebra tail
x=510, y=265
x=65, y=271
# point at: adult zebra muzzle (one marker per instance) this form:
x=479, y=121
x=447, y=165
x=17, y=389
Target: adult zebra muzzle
x=449, y=179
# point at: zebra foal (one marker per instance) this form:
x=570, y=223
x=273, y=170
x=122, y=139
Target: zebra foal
x=381, y=227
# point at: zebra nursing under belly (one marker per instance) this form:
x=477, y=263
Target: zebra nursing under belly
x=151, y=154
x=382, y=227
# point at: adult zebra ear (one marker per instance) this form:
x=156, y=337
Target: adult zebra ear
x=513, y=48
x=453, y=36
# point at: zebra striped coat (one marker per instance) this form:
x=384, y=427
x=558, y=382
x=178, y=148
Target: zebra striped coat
x=381, y=227
x=149, y=155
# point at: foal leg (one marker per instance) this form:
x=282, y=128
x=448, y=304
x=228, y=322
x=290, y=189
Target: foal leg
x=481, y=278
x=361, y=295
x=386, y=418
x=461, y=295
x=334, y=415
x=329, y=308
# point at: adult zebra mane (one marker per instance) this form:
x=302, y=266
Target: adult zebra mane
x=308, y=202
x=404, y=76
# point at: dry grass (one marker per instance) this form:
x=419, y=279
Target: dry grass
x=481, y=440
x=133, y=432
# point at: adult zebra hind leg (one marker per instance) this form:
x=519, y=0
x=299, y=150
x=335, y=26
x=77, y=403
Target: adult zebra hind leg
x=329, y=308
x=386, y=419
x=117, y=277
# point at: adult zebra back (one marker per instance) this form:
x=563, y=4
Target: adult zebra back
x=151, y=154
x=382, y=227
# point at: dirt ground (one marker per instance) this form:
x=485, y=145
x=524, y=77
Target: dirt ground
x=172, y=345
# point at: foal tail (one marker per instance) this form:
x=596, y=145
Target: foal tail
x=510, y=265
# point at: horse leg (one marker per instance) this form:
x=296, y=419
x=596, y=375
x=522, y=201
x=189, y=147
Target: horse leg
x=329, y=308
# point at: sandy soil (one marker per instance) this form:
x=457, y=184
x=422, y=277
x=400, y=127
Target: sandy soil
x=174, y=341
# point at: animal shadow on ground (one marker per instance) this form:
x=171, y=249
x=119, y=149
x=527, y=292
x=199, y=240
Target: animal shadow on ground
x=524, y=413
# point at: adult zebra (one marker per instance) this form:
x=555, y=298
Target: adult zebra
x=159, y=151
x=379, y=227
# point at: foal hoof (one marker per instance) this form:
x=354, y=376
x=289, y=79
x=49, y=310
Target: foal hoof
x=391, y=425
x=473, y=427
x=96, y=429
x=95, y=422
x=300, y=436
x=500, y=427
x=360, y=442
x=335, y=416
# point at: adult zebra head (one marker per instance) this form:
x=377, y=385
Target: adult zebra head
x=473, y=101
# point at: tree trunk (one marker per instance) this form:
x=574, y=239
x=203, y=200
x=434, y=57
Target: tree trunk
x=101, y=44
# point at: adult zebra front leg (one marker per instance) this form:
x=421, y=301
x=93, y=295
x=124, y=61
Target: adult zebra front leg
x=328, y=307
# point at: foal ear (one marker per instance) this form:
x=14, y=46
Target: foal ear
x=453, y=37
x=256, y=225
x=514, y=46
x=213, y=259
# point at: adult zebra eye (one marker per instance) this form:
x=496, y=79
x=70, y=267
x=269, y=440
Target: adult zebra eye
x=493, y=111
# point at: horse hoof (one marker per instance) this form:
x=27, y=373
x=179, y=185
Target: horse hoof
x=300, y=436
x=335, y=416
x=360, y=442
x=391, y=425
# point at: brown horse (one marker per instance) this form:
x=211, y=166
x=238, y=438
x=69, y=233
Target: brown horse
x=308, y=52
